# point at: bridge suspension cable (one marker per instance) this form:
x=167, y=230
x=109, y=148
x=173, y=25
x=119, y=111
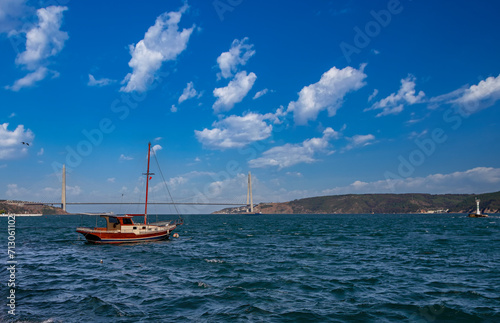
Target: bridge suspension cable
x=64, y=201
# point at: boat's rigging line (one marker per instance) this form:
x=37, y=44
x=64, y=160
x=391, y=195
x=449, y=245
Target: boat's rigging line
x=165, y=183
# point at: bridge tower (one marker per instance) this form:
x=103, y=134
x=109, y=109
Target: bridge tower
x=249, y=192
x=63, y=194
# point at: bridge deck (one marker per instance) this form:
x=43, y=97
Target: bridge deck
x=131, y=203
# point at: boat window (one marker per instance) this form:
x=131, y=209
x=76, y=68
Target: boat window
x=113, y=220
x=135, y=228
x=127, y=221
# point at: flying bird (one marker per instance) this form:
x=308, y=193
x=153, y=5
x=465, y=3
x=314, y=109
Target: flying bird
x=25, y=143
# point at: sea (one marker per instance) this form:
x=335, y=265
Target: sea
x=258, y=268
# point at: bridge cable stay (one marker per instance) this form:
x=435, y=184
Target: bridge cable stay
x=235, y=200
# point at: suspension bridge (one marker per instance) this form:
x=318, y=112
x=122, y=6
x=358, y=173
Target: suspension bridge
x=63, y=203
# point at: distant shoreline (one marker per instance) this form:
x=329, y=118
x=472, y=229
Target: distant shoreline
x=407, y=203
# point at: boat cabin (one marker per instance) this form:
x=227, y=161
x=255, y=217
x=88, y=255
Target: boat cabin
x=115, y=222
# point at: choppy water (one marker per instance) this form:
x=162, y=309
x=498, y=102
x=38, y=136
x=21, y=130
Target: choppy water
x=266, y=268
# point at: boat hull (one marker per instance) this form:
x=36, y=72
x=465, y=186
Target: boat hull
x=116, y=238
x=474, y=215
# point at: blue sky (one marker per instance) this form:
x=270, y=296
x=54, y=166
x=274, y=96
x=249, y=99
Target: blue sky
x=316, y=98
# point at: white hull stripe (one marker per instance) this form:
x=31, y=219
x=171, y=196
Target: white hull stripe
x=130, y=239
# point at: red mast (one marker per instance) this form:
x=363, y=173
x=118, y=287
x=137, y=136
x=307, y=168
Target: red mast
x=147, y=185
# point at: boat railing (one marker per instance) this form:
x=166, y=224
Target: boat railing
x=95, y=230
x=162, y=223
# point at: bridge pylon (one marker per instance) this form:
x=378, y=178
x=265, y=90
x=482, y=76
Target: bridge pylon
x=249, y=192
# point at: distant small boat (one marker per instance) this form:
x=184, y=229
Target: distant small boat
x=122, y=229
x=478, y=213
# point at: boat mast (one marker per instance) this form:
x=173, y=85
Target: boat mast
x=147, y=185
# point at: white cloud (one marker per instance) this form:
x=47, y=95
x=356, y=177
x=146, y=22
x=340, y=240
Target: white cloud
x=476, y=180
x=394, y=103
x=446, y=98
x=373, y=95
x=43, y=41
x=10, y=141
x=102, y=82
x=327, y=94
x=30, y=79
x=471, y=99
x=162, y=42
x=414, y=119
x=41, y=152
x=480, y=96
x=360, y=141
x=12, y=115
x=260, y=93
x=234, y=92
x=15, y=192
x=238, y=54
x=156, y=148
x=178, y=183
x=229, y=188
x=123, y=157
x=73, y=190
x=50, y=192
x=188, y=93
x=173, y=108
x=292, y=154
x=158, y=138
x=175, y=182
x=111, y=180
x=237, y=132
x=415, y=134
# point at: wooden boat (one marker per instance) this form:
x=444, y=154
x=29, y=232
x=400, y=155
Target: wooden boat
x=122, y=229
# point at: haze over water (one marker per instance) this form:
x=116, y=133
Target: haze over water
x=270, y=268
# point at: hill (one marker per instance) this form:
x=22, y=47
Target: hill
x=380, y=203
x=22, y=207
